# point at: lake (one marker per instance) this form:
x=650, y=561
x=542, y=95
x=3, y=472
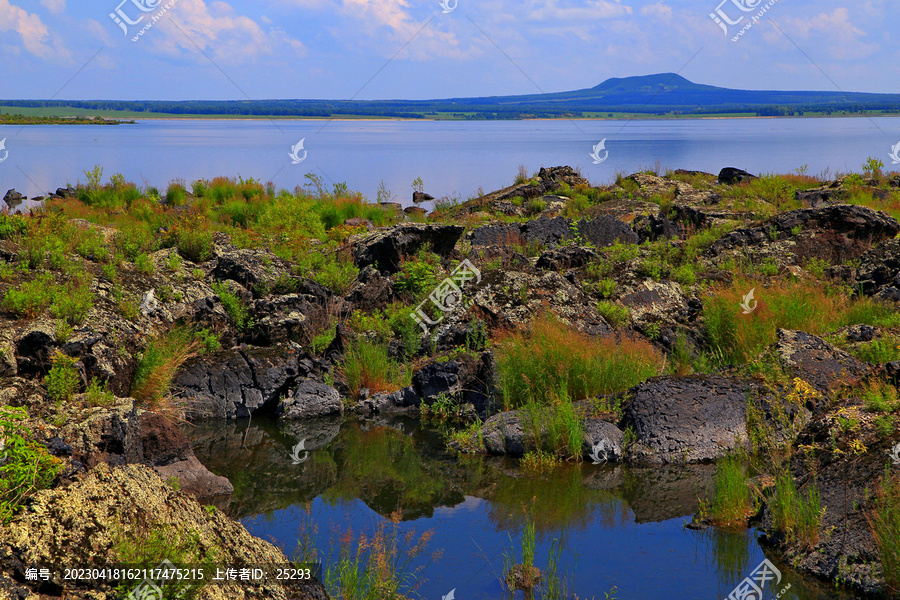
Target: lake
x=617, y=526
x=453, y=158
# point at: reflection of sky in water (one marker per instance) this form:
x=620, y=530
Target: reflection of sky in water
x=639, y=547
x=452, y=158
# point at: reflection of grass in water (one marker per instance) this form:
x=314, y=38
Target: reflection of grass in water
x=731, y=552
x=382, y=462
x=559, y=500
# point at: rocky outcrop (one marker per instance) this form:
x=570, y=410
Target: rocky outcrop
x=385, y=249
x=732, y=175
x=878, y=273
x=831, y=233
x=816, y=361
x=686, y=419
x=547, y=232
x=123, y=435
x=240, y=382
x=83, y=524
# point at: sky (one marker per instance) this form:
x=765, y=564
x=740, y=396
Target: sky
x=418, y=49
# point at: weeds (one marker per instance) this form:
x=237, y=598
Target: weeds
x=731, y=505
x=26, y=467
x=367, y=365
x=158, y=364
x=885, y=522
x=62, y=380
x=794, y=513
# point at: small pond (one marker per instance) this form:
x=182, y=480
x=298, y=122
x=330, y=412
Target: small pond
x=615, y=526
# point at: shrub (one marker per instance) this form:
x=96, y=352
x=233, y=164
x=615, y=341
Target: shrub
x=26, y=468
x=159, y=362
x=552, y=360
x=62, y=380
x=615, y=314
x=418, y=276
x=143, y=264
x=234, y=306
x=72, y=301
x=367, y=365
x=31, y=298
x=97, y=395
x=176, y=195
x=194, y=242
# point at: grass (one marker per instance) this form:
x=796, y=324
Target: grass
x=553, y=361
x=730, y=506
x=235, y=307
x=802, y=305
x=795, y=513
x=27, y=467
x=885, y=521
x=367, y=365
x=158, y=364
x=376, y=566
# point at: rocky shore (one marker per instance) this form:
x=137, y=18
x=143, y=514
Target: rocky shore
x=646, y=260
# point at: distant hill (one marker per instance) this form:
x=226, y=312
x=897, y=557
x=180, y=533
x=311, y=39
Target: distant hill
x=660, y=94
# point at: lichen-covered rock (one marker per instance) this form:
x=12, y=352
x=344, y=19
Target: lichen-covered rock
x=655, y=302
x=81, y=526
x=816, y=361
x=386, y=248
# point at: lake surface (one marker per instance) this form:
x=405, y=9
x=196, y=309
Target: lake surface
x=617, y=526
x=452, y=158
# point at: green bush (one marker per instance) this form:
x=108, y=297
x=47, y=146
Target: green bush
x=31, y=298
x=176, y=195
x=72, y=301
x=234, y=306
x=615, y=314
x=62, y=380
x=26, y=468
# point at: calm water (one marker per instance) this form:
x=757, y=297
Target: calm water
x=453, y=158
x=617, y=526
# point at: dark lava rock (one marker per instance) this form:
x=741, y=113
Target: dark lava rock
x=415, y=212
x=437, y=378
x=372, y=290
x=879, y=269
x=547, y=231
x=13, y=198
x=385, y=249
x=359, y=222
x=605, y=231
x=833, y=233
x=731, y=176
x=66, y=192
x=238, y=383
x=504, y=434
x=257, y=270
x=602, y=441
x=813, y=359
x=311, y=399
x=419, y=197
x=567, y=257
x=686, y=419
x=497, y=234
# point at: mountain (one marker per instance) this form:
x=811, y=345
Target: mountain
x=662, y=93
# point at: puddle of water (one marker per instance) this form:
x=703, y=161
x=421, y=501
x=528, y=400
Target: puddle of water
x=617, y=526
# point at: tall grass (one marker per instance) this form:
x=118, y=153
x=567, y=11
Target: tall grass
x=552, y=361
x=730, y=505
x=807, y=306
x=885, y=523
x=158, y=364
x=376, y=567
x=794, y=513
x=368, y=365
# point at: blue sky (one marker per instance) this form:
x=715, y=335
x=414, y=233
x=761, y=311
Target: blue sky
x=203, y=49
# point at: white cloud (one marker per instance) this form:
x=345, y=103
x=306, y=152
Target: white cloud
x=843, y=38
x=598, y=9
x=54, y=6
x=222, y=34
x=35, y=35
x=658, y=10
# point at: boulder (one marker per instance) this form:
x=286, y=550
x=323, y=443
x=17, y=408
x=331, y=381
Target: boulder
x=504, y=434
x=686, y=419
x=732, y=175
x=655, y=302
x=565, y=258
x=546, y=231
x=238, y=383
x=879, y=270
x=816, y=361
x=605, y=230
x=602, y=440
x=258, y=270
x=386, y=248
x=66, y=192
x=437, y=378
x=13, y=198
x=419, y=197
x=311, y=399
x=497, y=234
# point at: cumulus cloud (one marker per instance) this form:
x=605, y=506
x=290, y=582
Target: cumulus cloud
x=222, y=34
x=35, y=35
